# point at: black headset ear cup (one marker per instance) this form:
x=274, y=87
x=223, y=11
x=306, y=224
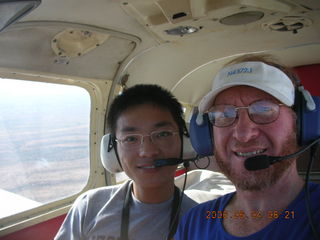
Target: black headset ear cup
x=308, y=121
x=108, y=154
x=201, y=134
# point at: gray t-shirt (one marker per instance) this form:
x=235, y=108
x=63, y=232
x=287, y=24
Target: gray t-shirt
x=96, y=215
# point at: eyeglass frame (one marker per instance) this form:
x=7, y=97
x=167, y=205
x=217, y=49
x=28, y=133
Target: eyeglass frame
x=245, y=107
x=121, y=141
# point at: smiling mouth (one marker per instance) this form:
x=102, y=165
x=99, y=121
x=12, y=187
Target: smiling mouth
x=250, y=154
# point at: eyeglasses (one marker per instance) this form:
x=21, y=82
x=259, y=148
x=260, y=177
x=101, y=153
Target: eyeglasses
x=161, y=138
x=260, y=112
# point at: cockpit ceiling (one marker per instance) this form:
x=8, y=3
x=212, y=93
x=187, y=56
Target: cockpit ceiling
x=65, y=49
x=190, y=80
x=108, y=39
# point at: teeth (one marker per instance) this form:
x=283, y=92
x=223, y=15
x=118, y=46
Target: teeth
x=249, y=154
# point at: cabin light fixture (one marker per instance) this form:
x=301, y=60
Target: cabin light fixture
x=12, y=10
x=181, y=30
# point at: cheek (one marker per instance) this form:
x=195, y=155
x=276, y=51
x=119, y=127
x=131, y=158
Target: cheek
x=177, y=149
x=280, y=130
x=220, y=136
x=124, y=157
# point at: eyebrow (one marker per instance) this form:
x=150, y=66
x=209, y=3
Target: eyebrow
x=127, y=129
x=163, y=124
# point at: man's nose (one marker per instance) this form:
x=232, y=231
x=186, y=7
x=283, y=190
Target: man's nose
x=148, y=148
x=245, y=129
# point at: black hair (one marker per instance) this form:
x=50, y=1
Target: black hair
x=145, y=94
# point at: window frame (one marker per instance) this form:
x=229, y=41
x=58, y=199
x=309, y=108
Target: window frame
x=99, y=91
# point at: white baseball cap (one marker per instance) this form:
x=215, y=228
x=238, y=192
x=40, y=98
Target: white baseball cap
x=255, y=74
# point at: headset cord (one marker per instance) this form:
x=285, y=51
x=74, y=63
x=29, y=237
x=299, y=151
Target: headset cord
x=307, y=192
x=174, y=223
x=124, y=229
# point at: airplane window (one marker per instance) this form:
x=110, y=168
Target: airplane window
x=44, y=143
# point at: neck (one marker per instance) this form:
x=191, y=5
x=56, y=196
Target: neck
x=288, y=187
x=153, y=194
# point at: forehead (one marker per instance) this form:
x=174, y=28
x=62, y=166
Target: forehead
x=144, y=117
x=244, y=94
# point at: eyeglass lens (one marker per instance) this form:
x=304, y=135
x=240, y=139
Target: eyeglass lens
x=161, y=138
x=260, y=112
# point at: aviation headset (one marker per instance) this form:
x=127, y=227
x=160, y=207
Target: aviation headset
x=110, y=159
x=306, y=107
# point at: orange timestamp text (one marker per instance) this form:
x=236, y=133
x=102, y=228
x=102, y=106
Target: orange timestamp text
x=225, y=214
x=240, y=214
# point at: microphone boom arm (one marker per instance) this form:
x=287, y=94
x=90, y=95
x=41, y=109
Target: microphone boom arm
x=171, y=161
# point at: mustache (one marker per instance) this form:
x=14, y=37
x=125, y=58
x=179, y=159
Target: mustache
x=251, y=143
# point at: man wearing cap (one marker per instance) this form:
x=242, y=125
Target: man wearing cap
x=251, y=112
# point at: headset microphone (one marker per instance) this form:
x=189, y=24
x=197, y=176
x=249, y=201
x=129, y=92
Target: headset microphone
x=264, y=161
x=171, y=161
x=167, y=162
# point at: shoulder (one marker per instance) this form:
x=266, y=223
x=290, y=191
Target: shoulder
x=314, y=187
x=99, y=196
x=315, y=195
x=90, y=208
x=196, y=225
x=89, y=204
x=110, y=190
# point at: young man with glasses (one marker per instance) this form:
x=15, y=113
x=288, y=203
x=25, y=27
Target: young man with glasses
x=146, y=123
x=251, y=111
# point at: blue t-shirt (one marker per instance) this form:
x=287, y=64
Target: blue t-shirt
x=204, y=221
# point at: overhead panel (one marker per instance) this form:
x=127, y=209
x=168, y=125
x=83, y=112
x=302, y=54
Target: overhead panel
x=170, y=20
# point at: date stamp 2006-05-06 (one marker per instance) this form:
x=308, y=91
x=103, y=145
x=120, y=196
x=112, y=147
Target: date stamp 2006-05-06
x=286, y=214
